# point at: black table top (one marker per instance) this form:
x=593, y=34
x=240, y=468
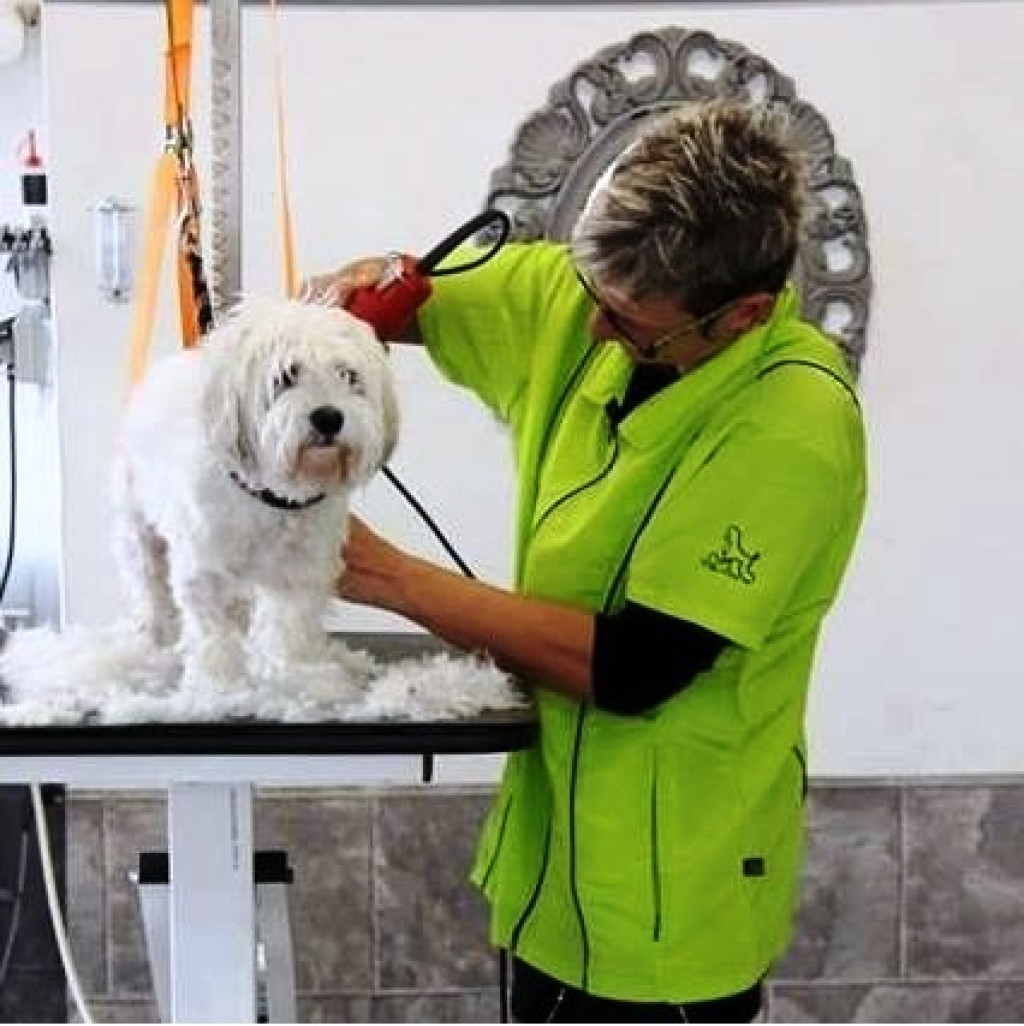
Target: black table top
x=485, y=733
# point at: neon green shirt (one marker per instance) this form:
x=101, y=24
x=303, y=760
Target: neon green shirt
x=655, y=857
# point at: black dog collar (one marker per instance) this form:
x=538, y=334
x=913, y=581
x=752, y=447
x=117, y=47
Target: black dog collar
x=266, y=496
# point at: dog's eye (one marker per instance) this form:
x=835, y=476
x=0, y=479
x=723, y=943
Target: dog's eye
x=287, y=378
x=351, y=378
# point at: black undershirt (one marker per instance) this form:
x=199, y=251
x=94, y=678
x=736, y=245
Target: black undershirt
x=646, y=380
x=641, y=656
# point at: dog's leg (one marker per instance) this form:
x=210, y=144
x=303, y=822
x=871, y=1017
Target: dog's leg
x=288, y=629
x=214, y=615
x=293, y=596
x=141, y=556
x=292, y=648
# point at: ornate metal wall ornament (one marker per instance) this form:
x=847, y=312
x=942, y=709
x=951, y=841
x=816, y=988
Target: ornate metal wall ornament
x=560, y=151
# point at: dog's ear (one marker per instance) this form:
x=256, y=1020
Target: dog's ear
x=389, y=412
x=388, y=394
x=222, y=400
x=376, y=353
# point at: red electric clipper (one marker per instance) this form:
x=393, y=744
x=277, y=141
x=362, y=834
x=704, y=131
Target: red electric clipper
x=389, y=305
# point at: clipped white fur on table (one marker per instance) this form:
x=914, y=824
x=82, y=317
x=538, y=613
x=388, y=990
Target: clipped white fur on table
x=115, y=677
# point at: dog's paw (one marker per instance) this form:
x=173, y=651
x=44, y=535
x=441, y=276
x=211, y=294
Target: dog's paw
x=222, y=676
x=277, y=654
x=196, y=681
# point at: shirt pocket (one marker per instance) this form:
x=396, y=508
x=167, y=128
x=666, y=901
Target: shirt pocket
x=700, y=868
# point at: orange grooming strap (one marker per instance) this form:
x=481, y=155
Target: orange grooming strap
x=175, y=189
x=178, y=75
x=193, y=294
x=173, y=196
x=289, y=272
x=163, y=193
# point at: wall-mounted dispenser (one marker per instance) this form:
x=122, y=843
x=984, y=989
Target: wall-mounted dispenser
x=114, y=256
x=33, y=178
x=26, y=253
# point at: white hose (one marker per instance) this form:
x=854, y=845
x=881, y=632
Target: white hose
x=46, y=858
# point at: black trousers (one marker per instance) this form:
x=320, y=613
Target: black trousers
x=537, y=997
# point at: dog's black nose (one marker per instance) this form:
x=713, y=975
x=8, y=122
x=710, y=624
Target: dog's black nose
x=326, y=420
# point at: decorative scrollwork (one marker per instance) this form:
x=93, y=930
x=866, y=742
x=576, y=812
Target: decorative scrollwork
x=560, y=151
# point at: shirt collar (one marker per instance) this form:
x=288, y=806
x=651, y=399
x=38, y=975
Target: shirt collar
x=669, y=414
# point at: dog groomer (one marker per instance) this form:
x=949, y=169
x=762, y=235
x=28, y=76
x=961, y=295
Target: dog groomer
x=690, y=462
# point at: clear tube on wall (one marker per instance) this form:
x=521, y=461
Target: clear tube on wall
x=113, y=222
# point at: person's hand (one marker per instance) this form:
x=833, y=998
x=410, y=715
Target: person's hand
x=372, y=567
x=335, y=287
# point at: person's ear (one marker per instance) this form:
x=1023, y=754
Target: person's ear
x=748, y=313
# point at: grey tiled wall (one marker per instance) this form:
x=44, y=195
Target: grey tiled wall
x=913, y=904
x=913, y=907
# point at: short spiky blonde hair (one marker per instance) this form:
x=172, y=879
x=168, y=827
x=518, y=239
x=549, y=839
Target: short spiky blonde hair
x=705, y=207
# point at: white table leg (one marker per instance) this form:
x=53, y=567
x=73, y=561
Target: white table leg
x=212, y=916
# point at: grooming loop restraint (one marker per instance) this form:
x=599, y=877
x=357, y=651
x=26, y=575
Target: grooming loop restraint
x=174, y=197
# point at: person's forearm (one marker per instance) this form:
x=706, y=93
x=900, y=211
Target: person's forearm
x=542, y=641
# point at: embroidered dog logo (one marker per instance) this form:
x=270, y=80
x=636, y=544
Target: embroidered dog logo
x=733, y=559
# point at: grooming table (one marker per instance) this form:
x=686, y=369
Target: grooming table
x=210, y=772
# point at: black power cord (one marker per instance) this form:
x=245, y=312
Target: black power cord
x=502, y=985
x=12, y=437
x=493, y=221
x=15, y=896
x=17, y=892
x=428, y=759
x=428, y=520
x=498, y=223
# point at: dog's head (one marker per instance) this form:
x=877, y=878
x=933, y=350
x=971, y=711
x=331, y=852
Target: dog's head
x=299, y=397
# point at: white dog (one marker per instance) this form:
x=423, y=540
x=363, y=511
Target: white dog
x=238, y=459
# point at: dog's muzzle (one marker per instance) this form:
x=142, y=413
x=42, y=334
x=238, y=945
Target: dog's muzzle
x=323, y=457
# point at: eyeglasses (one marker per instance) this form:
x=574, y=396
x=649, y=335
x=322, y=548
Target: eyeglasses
x=649, y=349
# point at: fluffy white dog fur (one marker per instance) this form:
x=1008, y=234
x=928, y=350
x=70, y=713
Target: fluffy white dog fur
x=237, y=462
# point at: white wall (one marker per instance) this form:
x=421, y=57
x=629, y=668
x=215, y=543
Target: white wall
x=397, y=116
